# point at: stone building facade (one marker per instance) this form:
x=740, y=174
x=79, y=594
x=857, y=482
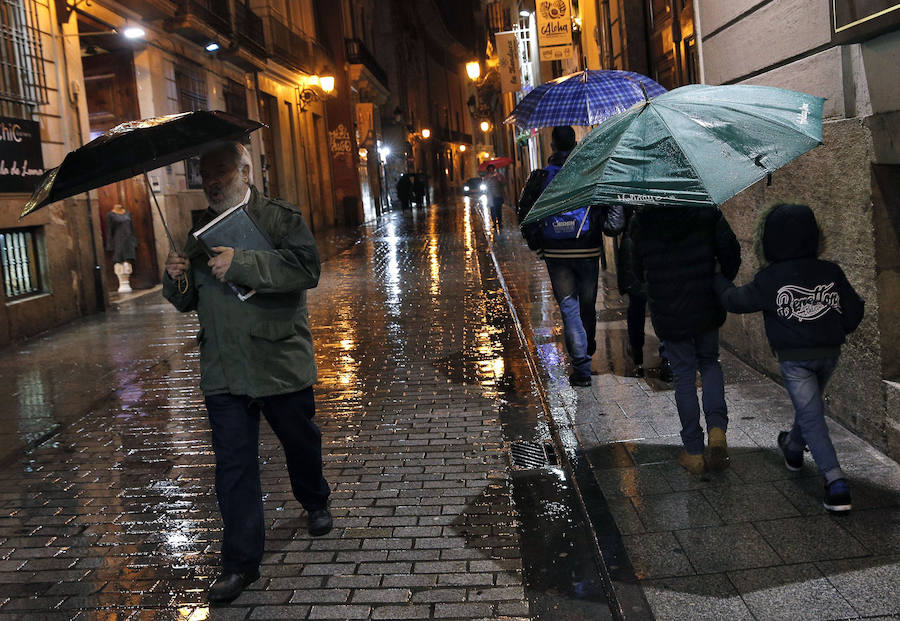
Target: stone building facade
x=74, y=75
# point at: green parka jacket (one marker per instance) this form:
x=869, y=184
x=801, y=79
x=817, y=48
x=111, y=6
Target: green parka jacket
x=262, y=346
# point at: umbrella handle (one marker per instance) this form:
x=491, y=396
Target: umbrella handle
x=168, y=232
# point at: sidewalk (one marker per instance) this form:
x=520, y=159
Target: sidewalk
x=752, y=542
x=423, y=390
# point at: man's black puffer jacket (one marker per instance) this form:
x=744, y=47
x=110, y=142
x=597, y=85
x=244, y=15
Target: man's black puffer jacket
x=675, y=253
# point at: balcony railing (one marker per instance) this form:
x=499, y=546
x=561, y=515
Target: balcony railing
x=213, y=12
x=290, y=47
x=358, y=54
x=249, y=30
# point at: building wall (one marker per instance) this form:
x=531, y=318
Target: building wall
x=68, y=230
x=788, y=44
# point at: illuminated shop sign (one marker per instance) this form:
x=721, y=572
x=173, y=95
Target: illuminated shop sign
x=21, y=161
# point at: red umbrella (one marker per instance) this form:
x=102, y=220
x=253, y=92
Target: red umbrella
x=497, y=162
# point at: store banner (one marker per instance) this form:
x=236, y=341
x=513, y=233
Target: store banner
x=508, y=55
x=21, y=160
x=554, y=26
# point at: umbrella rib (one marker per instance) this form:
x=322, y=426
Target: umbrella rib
x=687, y=157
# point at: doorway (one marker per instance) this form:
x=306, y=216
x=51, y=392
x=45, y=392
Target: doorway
x=672, y=47
x=111, y=94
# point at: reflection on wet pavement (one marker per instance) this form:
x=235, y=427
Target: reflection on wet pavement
x=422, y=387
x=750, y=542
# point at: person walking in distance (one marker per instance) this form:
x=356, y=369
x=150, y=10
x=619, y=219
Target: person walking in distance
x=494, y=181
x=808, y=308
x=675, y=253
x=256, y=358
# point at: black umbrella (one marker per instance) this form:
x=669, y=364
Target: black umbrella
x=133, y=148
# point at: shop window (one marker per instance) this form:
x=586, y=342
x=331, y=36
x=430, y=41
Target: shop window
x=23, y=84
x=20, y=261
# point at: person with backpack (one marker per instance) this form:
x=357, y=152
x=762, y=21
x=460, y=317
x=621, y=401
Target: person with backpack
x=570, y=244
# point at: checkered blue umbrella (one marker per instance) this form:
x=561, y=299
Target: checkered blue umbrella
x=583, y=98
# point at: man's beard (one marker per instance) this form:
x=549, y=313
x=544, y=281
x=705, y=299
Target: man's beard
x=230, y=196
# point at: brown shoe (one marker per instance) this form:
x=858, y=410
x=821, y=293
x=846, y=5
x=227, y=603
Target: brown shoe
x=695, y=464
x=717, y=451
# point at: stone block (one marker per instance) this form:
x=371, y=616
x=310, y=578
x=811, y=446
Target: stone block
x=776, y=32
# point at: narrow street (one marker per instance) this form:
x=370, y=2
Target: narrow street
x=469, y=479
x=423, y=388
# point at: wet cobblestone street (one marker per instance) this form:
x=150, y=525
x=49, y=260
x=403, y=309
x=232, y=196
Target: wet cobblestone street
x=439, y=348
x=422, y=385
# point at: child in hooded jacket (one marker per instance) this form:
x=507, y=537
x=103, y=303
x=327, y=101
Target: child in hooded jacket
x=808, y=309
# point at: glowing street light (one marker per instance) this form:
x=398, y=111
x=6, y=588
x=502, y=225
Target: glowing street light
x=462, y=148
x=326, y=83
x=426, y=133
x=485, y=126
x=473, y=70
x=134, y=32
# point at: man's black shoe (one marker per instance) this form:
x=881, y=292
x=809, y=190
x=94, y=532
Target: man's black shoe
x=579, y=380
x=227, y=587
x=319, y=522
x=665, y=371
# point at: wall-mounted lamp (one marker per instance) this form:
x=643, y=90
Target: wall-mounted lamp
x=134, y=32
x=473, y=70
x=485, y=126
x=462, y=148
x=426, y=133
x=310, y=92
x=212, y=46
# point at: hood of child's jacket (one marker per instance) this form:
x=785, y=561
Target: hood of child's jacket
x=790, y=232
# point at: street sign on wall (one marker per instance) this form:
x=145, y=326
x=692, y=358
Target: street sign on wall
x=554, y=26
x=508, y=55
x=857, y=20
x=21, y=160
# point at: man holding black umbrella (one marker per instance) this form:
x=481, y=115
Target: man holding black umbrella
x=256, y=357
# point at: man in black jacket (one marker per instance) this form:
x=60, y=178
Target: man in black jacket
x=675, y=254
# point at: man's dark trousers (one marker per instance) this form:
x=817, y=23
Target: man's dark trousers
x=235, y=437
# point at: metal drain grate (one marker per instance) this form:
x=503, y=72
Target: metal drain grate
x=527, y=455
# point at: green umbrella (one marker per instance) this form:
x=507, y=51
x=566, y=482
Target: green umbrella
x=696, y=145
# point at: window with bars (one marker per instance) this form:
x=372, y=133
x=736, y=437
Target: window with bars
x=20, y=262
x=23, y=82
x=190, y=81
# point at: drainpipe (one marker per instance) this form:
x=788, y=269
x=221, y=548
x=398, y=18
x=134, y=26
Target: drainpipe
x=698, y=41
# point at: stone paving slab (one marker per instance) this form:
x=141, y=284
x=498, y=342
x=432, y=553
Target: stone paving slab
x=751, y=542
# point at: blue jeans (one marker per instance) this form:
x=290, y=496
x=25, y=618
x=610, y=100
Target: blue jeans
x=574, y=283
x=805, y=381
x=687, y=357
x=235, y=437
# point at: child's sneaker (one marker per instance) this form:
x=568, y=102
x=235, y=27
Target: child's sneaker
x=793, y=460
x=837, y=496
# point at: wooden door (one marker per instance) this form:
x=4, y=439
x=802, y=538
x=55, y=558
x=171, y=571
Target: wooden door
x=670, y=36
x=112, y=99
x=268, y=114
